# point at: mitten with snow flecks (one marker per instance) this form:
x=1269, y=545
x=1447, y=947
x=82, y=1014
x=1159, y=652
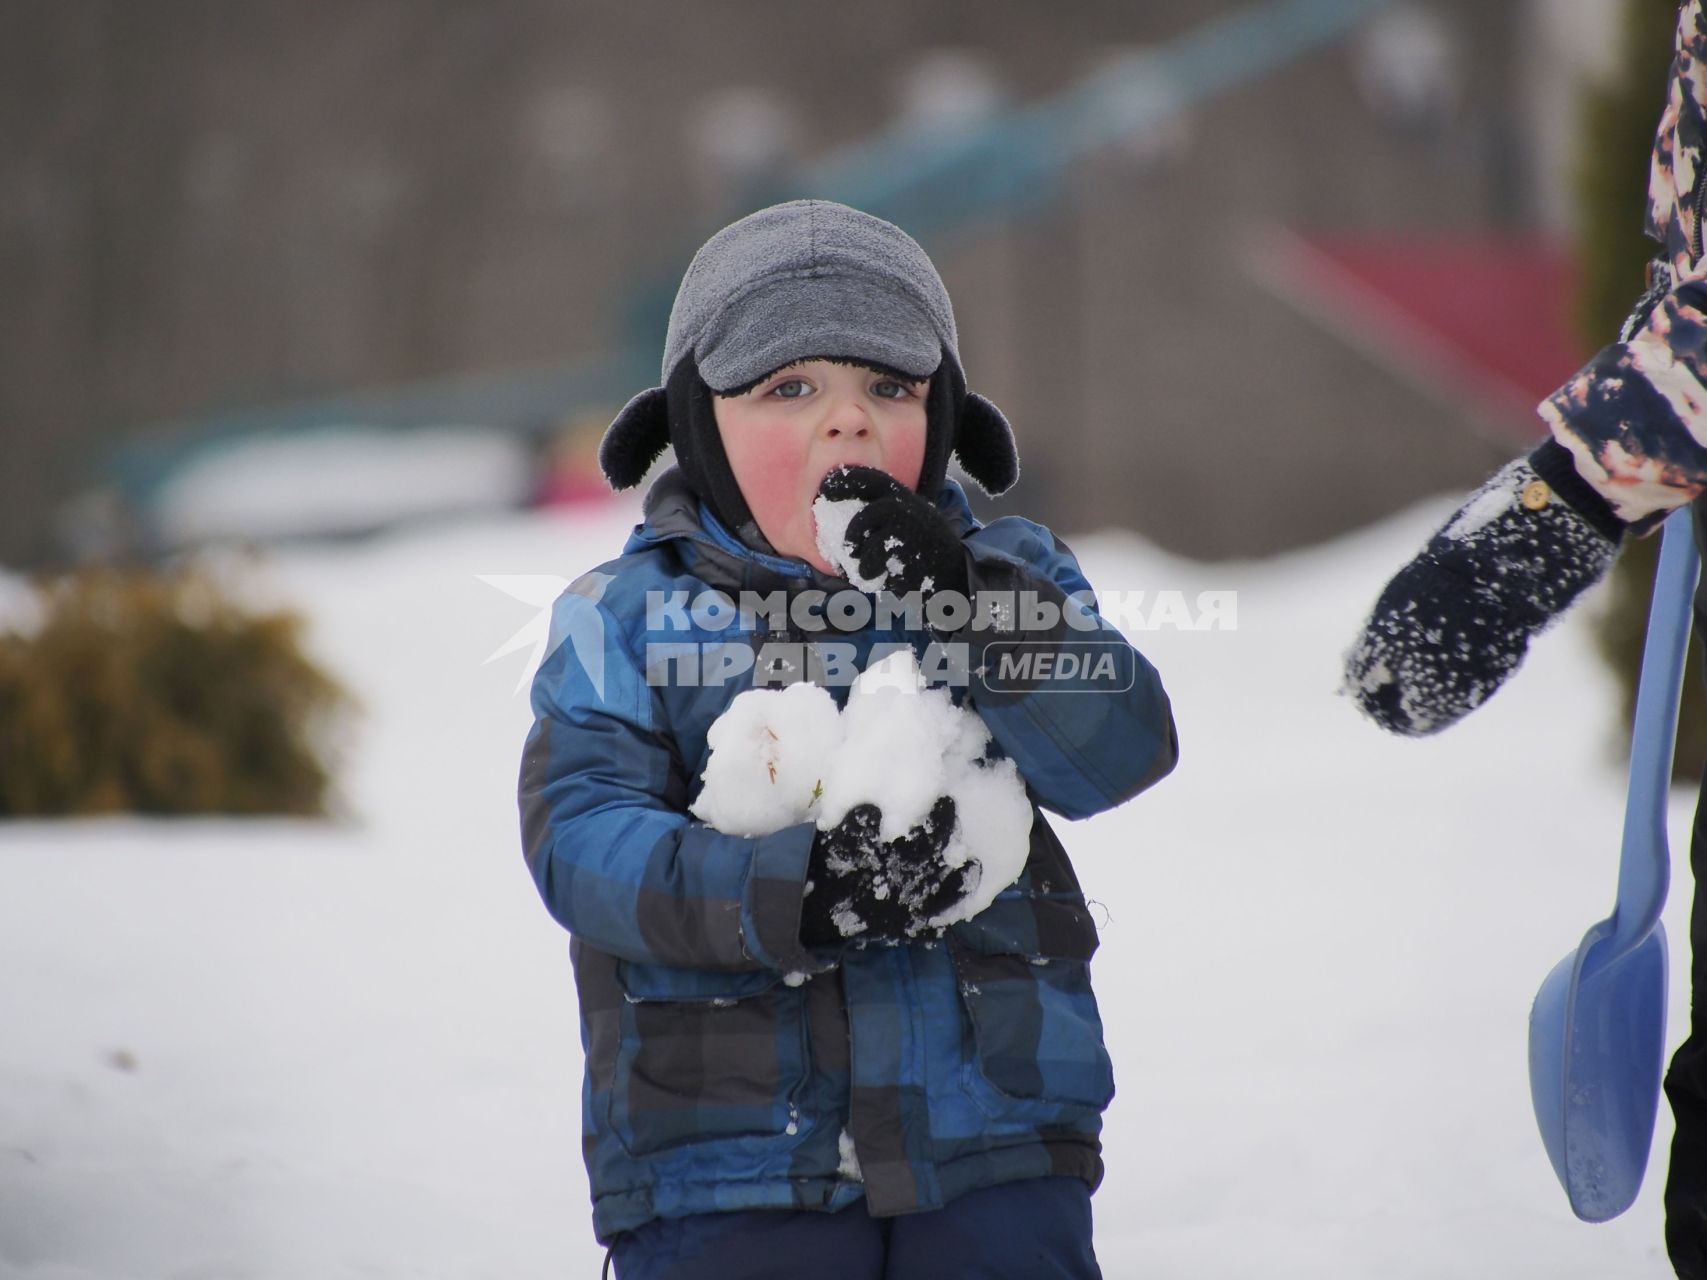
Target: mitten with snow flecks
x=1457, y=620
x=896, y=540
x=862, y=887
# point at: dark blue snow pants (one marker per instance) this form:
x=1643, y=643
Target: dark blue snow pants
x=1039, y=1229
x=1686, y=1081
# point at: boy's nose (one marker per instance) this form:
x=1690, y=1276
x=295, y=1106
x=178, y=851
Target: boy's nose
x=846, y=420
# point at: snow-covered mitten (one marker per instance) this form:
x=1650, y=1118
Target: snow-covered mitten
x=897, y=541
x=1457, y=620
x=860, y=886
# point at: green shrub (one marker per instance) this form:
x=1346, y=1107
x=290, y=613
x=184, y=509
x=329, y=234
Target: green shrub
x=154, y=693
x=1612, y=186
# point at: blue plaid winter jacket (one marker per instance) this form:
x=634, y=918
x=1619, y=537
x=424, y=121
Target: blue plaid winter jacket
x=726, y=1066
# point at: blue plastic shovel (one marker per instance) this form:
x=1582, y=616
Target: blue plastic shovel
x=1597, y=1030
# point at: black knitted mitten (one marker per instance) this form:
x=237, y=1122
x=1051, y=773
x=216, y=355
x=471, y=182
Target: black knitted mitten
x=863, y=887
x=898, y=540
x=1458, y=619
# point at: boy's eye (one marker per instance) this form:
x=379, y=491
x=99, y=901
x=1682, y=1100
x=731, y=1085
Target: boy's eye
x=889, y=389
x=790, y=388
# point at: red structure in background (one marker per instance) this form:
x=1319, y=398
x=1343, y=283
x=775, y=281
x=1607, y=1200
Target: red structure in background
x=571, y=483
x=1484, y=320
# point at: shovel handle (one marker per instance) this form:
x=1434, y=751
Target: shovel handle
x=1644, y=866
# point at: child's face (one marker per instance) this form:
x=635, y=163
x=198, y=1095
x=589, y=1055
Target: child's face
x=800, y=423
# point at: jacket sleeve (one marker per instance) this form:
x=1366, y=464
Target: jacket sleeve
x=1635, y=417
x=605, y=831
x=1084, y=743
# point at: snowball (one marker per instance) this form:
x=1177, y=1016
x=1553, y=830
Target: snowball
x=993, y=826
x=898, y=739
x=785, y=756
x=769, y=750
x=831, y=518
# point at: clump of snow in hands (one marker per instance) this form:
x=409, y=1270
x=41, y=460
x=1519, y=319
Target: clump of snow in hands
x=831, y=517
x=769, y=749
x=784, y=756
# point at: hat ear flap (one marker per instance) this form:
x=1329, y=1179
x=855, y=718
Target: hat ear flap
x=634, y=439
x=984, y=444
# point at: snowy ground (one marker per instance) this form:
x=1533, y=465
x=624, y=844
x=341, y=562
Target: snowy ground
x=282, y=1050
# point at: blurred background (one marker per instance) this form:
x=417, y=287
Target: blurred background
x=311, y=315
x=1243, y=275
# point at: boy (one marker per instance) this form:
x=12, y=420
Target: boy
x=791, y=1070
x=1628, y=446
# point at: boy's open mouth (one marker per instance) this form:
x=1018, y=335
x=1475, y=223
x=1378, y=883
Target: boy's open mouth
x=837, y=466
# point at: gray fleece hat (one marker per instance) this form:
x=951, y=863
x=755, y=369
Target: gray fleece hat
x=804, y=280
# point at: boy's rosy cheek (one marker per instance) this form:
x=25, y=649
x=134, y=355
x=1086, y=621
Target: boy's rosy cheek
x=765, y=466
x=767, y=498
x=908, y=460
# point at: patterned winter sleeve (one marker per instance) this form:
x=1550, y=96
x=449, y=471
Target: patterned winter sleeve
x=1633, y=418
x=1675, y=174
